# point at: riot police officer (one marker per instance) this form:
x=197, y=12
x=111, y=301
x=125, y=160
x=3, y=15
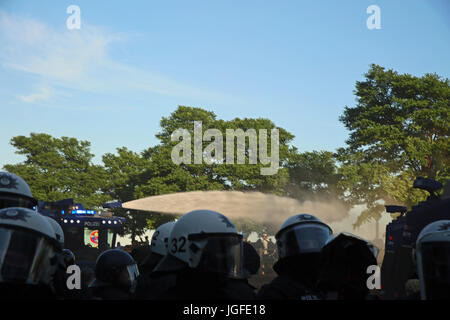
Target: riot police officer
x=15, y=192
x=115, y=276
x=159, y=244
x=66, y=258
x=149, y=287
x=299, y=241
x=204, y=259
x=59, y=279
x=29, y=255
x=343, y=268
x=433, y=260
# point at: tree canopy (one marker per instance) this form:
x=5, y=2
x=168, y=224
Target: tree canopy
x=59, y=168
x=399, y=129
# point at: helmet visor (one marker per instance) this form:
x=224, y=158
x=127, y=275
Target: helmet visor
x=9, y=201
x=128, y=276
x=436, y=269
x=222, y=254
x=25, y=257
x=304, y=238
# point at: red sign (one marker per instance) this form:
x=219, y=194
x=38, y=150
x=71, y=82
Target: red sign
x=94, y=237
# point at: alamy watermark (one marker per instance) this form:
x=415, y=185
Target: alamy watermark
x=213, y=153
x=373, y=281
x=74, y=20
x=374, y=21
x=74, y=280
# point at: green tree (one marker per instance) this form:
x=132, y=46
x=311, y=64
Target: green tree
x=399, y=129
x=159, y=175
x=125, y=171
x=59, y=168
x=152, y=172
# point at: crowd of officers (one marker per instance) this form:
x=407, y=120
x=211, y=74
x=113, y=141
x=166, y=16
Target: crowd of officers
x=200, y=256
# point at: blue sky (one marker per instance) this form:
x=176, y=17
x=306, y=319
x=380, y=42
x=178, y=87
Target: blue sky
x=132, y=62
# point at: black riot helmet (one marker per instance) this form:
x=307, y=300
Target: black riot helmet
x=252, y=260
x=69, y=257
x=115, y=267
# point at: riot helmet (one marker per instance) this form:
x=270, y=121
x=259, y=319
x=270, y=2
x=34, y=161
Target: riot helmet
x=206, y=241
x=68, y=257
x=252, y=260
x=160, y=238
x=158, y=246
x=15, y=192
x=343, y=266
x=117, y=268
x=301, y=234
x=27, y=247
x=433, y=260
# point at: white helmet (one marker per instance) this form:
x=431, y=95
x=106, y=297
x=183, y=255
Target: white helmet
x=206, y=240
x=27, y=247
x=433, y=260
x=15, y=192
x=302, y=233
x=59, y=233
x=160, y=238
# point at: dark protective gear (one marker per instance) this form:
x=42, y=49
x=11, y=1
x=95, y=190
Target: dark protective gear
x=63, y=292
x=115, y=267
x=144, y=288
x=402, y=235
x=252, y=261
x=433, y=260
x=27, y=247
x=15, y=291
x=343, y=267
x=68, y=257
x=140, y=253
x=115, y=271
x=110, y=293
x=152, y=286
x=150, y=262
x=28, y=254
x=193, y=284
x=296, y=279
x=299, y=243
x=286, y=287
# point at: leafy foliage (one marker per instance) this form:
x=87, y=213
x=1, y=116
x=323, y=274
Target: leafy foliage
x=399, y=130
x=57, y=169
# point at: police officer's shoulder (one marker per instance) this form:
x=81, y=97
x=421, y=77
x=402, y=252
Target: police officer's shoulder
x=283, y=287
